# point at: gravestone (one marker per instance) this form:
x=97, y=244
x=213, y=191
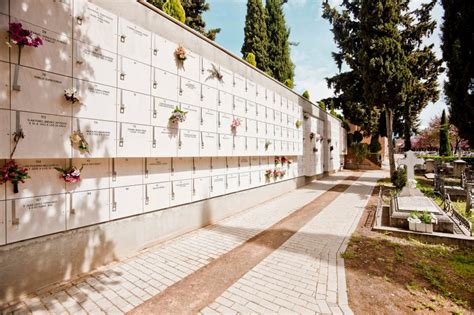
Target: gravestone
x=410, y=160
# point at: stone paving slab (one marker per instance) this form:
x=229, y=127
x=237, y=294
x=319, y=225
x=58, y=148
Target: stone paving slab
x=119, y=287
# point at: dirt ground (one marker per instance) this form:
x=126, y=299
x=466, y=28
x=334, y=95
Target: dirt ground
x=390, y=275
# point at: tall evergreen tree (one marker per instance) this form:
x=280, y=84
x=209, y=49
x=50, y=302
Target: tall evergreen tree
x=194, y=10
x=423, y=64
x=157, y=3
x=385, y=72
x=255, y=35
x=175, y=9
x=444, y=142
x=458, y=52
x=281, y=66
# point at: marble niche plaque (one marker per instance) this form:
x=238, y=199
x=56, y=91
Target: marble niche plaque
x=133, y=140
x=244, y=164
x=133, y=107
x=208, y=120
x=205, y=76
x=266, y=163
x=50, y=14
x=193, y=117
x=251, y=90
x=232, y=183
x=87, y=208
x=95, y=174
x=41, y=171
x=251, y=127
x=157, y=170
x=3, y=190
x=163, y=54
x=33, y=217
x=201, y=167
x=240, y=106
x=4, y=49
x=261, y=111
x=277, y=147
x=4, y=134
x=165, y=84
x=269, y=115
x=134, y=75
x=217, y=185
x=227, y=83
x=244, y=180
x=254, y=163
x=126, y=172
x=201, y=188
x=251, y=110
x=181, y=192
x=161, y=111
x=134, y=42
x=225, y=145
x=166, y=142
x=181, y=168
x=239, y=146
x=126, y=201
x=46, y=136
x=224, y=122
x=189, y=91
x=4, y=7
x=232, y=165
x=261, y=146
x=256, y=178
x=261, y=129
x=92, y=63
x=209, y=97
x=218, y=166
x=55, y=55
x=239, y=85
x=252, y=146
x=209, y=144
x=97, y=101
x=88, y=18
x=157, y=196
x=189, y=143
x=278, y=117
x=261, y=94
x=2, y=222
x=101, y=136
x=225, y=102
x=41, y=92
x=191, y=67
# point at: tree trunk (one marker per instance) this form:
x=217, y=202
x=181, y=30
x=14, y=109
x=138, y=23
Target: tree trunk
x=407, y=128
x=391, y=149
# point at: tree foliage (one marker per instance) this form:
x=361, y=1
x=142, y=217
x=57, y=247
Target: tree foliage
x=289, y=83
x=458, y=52
x=280, y=64
x=194, y=10
x=250, y=58
x=255, y=35
x=444, y=143
x=306, y=95
x=175, y=9
x=157, y=3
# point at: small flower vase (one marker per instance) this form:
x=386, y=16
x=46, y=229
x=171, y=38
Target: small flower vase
x=15, y=188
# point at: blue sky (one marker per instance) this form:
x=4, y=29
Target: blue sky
x=312, y=57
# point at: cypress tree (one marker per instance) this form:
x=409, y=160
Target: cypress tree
x=444, y=143
x=281, y=66
x=306, y=95
x=384, y=65
x=175, y=9
x=289, y=83
x=157, y=3
x=458, y=52
x=194, y=10
x=255, y=35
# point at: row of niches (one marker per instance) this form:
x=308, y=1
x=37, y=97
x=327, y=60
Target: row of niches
x=46, y=93
x=195, y=79
x=32, y=135
x=111, y=189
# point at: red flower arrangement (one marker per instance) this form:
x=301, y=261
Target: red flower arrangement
x=70, y=175
x=21, y=37
x=11, y=172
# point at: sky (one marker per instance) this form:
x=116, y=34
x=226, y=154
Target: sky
x=312, y=57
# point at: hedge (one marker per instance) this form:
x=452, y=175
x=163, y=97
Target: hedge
x=449, y=159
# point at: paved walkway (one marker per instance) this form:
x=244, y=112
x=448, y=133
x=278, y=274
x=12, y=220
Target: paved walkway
x=282, y=256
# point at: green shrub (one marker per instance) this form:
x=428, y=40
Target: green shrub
x=175, y=9
x=399, y=178
x=359, y=152
x=449, y=159
x=250, y=58
x=357, y=137
x=289, y=83
x=375, y=146
x=306, y=95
